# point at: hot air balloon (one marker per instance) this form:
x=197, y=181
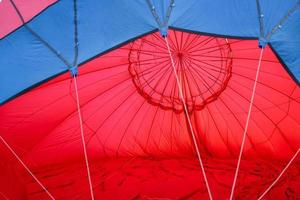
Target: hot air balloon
x=149, y=99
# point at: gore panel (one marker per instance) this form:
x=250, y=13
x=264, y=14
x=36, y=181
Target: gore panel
x=231, y=18
x=286, y=43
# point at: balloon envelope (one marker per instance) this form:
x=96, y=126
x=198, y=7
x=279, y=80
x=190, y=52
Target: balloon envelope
x=138, y=139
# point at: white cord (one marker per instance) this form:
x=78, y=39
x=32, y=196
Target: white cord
x=246, y=126
x=83, y=140
x=276, y=180
x=25, y=166
x=189, y=120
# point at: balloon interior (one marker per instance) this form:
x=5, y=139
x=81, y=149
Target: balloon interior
x=149, y=99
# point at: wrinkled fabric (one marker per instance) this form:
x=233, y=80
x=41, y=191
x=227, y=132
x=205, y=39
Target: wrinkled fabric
x=137, y=137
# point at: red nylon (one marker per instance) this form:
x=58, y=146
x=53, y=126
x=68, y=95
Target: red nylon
x=137, y=137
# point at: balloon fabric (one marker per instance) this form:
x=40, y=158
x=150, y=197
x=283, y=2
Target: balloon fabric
x=149, y=99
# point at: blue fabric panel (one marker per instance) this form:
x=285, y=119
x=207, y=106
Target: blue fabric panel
x=161, y=8
x=25, y=61
x=232, y=17
x=107, y=23
x=286, y=42
x=274, y=11
x=57, y=29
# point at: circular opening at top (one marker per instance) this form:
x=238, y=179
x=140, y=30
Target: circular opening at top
x=203, y=65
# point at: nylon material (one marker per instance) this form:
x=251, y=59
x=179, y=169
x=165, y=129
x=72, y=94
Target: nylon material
x=286, y=42
x=179, y=82
x=161, y=8
x=132, y=105
x=101, y=37
x=217, y=17
x=124, y=174
x=274, y=11
x=29, y=9
x=26, y=70
x=138, y=136
x=247, y=123
x=10, y=188
x=25, y=166
x=154, y=13
x=280, y=175
x=235, y=23
x=141, y=21
x=59, y=31
x=83, y=138
x=127, y=21
x=261, y=19
x=161, y=12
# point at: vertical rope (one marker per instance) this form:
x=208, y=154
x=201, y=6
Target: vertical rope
x=282, y=172
x=74, y=73
x=189, y=121
x=25, y=166
x=247, y=124
x=82, y=138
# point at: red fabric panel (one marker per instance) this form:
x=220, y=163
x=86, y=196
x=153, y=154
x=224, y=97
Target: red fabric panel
x=28, y=9
x=133, y=119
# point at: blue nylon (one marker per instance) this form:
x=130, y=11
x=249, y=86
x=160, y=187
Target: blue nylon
x=234, y=18
x=25, y=61
x=286, y=43
x=104, y=24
